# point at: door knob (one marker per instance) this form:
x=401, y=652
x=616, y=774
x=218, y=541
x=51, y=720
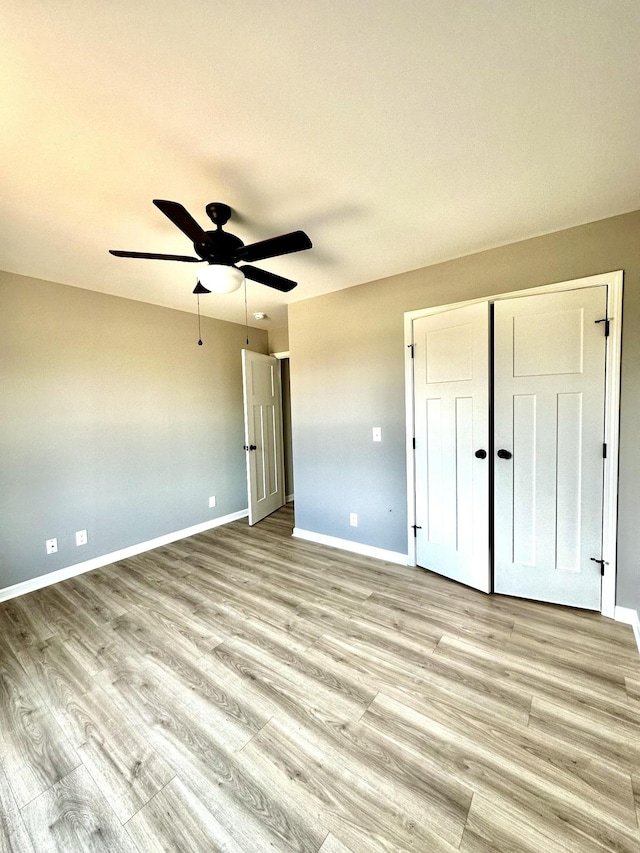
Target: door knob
x=504, y=454
x=481, y=454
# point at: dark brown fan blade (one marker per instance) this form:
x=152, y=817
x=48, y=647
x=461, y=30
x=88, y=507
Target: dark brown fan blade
x=153, y=256
x=268, y=278
x=296, y=241
x=181, y=217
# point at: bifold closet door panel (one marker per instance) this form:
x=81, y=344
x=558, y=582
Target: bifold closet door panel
x=549, y=384
x=451, y=399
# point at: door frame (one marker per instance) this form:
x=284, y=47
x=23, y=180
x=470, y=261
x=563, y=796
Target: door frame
x=246, y=355
x=287, y=456
x=614, y=282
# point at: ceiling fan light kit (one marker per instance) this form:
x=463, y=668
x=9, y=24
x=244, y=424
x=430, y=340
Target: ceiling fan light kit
x=220, y=278
x=223, y=251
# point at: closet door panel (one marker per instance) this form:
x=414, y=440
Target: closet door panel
x=549, y=382
x=451, y=405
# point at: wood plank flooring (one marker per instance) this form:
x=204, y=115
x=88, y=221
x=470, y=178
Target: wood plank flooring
x=244, y=691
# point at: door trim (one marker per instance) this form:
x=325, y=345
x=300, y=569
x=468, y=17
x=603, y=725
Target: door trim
x=614, y=282
x=271, y=501
x=287, y=452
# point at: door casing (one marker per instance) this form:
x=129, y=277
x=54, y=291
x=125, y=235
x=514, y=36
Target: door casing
x=614, y=281
x=263, y=434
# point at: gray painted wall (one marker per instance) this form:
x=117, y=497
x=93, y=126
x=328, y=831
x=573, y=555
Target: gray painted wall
x=347, y=376
x=112, y=419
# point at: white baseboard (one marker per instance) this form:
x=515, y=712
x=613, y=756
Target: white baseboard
x=354, y=547
x=630, y=617
x=106, y=559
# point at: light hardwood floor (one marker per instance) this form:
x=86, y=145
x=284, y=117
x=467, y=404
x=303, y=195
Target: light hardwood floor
x=245, y=691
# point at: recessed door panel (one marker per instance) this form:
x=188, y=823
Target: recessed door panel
x=464, y=474
x=266, y=454
x=549, y=343
x=449, y=354
x=569, y=482
x=523, y=488
x=436, y=483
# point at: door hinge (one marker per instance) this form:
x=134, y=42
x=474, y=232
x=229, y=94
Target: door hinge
x=414, y=442
x=605, y=320
x=416, y=527
x=411, y=346
x=604, y=450
x=603, y=563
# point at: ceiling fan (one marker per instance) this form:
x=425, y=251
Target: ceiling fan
x=224, y=251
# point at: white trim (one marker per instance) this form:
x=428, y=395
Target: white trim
x=614, y=281
x=410, y=426
x=280, y=356
x=630, y=617
x=349, y=545
x=611, y=437
x=106, y=559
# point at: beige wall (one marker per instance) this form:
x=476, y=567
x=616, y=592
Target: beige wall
x=279, y=339
x=347, y=375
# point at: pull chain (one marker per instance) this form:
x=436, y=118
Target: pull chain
x=199, y=335
x=246, y=315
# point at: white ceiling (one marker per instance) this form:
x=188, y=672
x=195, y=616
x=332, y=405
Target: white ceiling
x=397, y=133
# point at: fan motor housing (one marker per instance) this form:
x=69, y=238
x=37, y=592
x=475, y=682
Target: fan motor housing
x=219, y=246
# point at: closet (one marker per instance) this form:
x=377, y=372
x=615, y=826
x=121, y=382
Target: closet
x=508, y=410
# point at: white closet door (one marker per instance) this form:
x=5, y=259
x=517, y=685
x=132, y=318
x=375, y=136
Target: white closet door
x=451, y=386
x=549, y=383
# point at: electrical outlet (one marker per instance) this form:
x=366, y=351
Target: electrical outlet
x=353, y=519
x=51, y=546
x=212, y=501
x=377, y=433
x=81, y=537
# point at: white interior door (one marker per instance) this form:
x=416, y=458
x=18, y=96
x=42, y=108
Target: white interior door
x=549, y=391
x=451, y=406
x=263, y=433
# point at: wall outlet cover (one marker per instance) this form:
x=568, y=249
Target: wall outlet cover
x=51, y=546
x=81, y=537
x=353, y=519
x=212, y=501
